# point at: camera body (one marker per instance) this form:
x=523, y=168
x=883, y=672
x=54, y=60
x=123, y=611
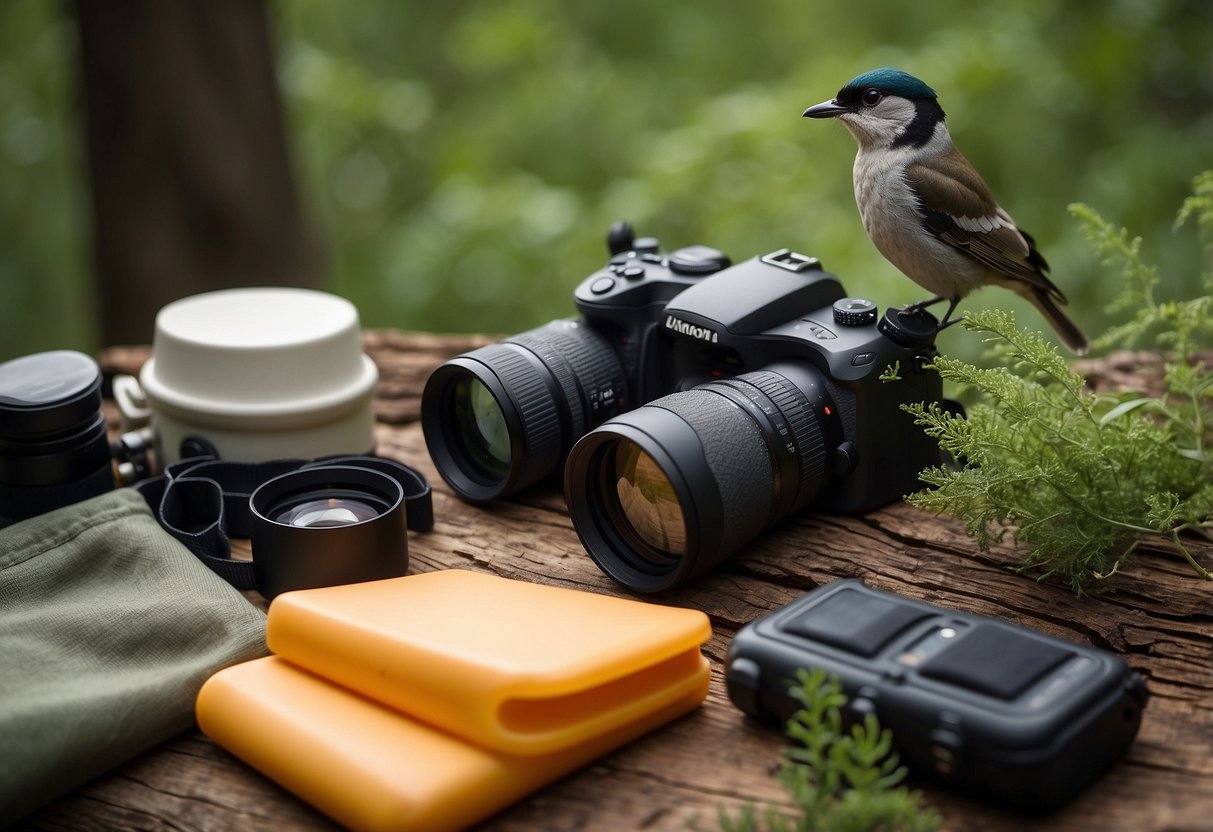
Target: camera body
x=1013, y=716
x=689, y=318
x=693, y=405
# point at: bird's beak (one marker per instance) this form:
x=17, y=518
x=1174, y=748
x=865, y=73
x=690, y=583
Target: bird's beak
x=826, y=109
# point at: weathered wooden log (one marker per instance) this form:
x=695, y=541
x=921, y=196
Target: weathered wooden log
x=1155, y=614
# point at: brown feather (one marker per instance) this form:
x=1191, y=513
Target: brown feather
x=948, y=184
x=951, y=184
x=1067, y=330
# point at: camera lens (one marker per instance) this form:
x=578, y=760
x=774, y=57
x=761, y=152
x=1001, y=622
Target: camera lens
x=481, y=428
x=646, y=502
x=665, y=492
x=53, y=445
x=327, y=525
x=502, y=417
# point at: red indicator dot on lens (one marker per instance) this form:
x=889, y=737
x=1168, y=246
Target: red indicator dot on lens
x=828, y=411
x=714, y=373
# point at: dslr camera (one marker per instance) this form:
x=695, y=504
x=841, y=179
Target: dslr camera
x=693, y=404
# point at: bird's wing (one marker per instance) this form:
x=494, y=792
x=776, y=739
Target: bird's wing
x=957, y=207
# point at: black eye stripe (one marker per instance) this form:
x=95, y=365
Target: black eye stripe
x=927, y=113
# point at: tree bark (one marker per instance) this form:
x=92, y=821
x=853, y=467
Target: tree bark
x=191, y=180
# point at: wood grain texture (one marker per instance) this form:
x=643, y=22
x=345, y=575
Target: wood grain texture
x=1157, y=615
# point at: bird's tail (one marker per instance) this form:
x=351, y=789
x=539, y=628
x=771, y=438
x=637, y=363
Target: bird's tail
x=1067, y=330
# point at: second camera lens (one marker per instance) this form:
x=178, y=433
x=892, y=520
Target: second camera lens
x=660, y=494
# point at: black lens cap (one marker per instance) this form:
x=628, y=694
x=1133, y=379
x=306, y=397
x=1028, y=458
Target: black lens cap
x=48, y=393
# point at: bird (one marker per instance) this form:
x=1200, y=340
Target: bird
x=927, y=209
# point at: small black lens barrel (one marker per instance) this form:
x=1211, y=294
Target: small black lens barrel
x=738, y=454
x=288, y=557
x=548, y=387
x=53, y=445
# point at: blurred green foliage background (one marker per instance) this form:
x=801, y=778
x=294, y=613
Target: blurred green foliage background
x=463, y=160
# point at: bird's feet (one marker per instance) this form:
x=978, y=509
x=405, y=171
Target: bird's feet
x=921, y=306
x=915, y=308
x=947, y=322
x=920, y=309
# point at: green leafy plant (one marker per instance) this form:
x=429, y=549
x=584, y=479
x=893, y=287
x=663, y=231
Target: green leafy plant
x=841, y=781
x=1084, y=478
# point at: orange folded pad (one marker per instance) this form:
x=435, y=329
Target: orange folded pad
x=509, y=665
x=432, y=701
x=371, y=768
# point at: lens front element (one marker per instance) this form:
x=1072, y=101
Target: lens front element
x=327, y=512
x=646, y=500
x=481, y=427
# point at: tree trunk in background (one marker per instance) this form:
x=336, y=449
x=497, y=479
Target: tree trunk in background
x=192, y=186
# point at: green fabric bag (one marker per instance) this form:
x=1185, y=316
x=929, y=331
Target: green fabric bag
x=108, y=628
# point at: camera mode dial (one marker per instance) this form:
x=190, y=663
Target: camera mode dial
x=909, y=327
x=696, y=260
x=854, y=312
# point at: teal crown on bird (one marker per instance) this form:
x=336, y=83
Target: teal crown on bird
x=893, y=81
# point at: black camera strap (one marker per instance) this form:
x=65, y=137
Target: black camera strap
x=202, y=500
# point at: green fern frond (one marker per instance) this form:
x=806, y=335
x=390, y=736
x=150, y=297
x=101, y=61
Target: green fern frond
x=1080, y=478
x=840, y=780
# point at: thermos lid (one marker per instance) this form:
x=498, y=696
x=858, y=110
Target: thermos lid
x=258, y=358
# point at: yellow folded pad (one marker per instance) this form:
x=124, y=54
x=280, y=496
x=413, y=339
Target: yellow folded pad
x=372, y=768
x=512, y=666
x=432, y=701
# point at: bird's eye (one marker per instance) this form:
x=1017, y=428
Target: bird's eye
x=871, y=97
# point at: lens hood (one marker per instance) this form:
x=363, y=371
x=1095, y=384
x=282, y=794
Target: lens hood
x=327, y=525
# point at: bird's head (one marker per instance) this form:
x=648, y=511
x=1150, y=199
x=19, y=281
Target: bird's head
x=884, y=108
